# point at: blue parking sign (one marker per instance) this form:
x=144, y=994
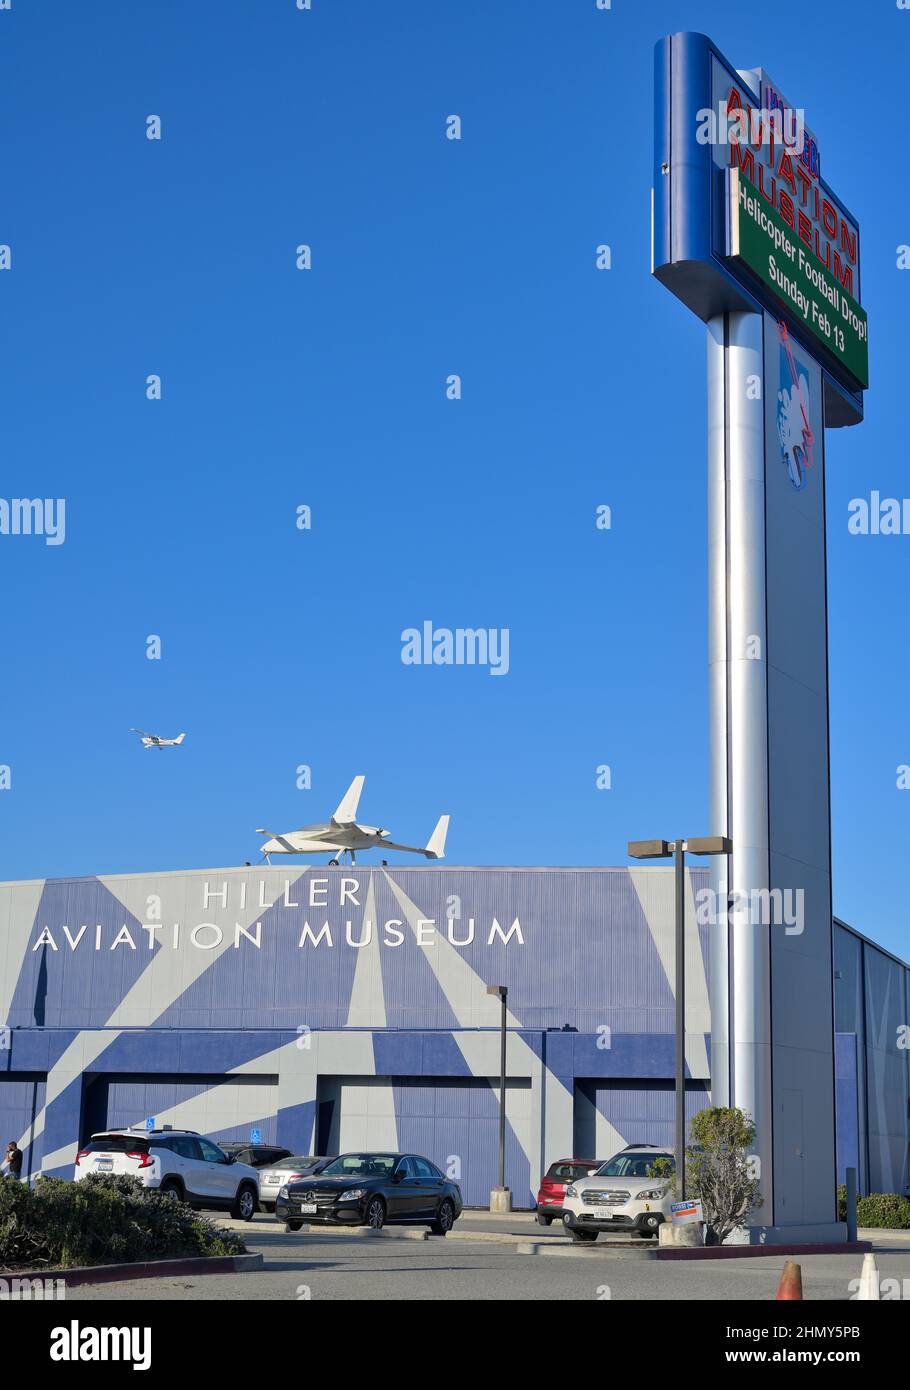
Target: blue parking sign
x=256, y=1136
x=150, y=1123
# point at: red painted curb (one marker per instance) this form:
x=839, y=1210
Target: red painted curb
x=746, y=1252
x=145, y=1269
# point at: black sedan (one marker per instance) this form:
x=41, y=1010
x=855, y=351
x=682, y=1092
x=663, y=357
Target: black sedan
x=371, y=1189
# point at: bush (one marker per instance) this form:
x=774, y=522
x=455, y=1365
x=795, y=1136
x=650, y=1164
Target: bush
x=103, y=1219
x=886, y=1210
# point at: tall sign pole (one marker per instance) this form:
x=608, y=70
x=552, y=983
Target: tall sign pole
x=748, y=234
x=679, y=858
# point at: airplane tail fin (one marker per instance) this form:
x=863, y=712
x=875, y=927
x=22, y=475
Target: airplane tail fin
x=436, y=844
x=180, y=738
x=346, y=810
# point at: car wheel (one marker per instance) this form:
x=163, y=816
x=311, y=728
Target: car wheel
x=292, y=1225
x=170, y=1188
x=543, y=1220
x=582, y=1236
x=376, y=1213
x=245, y=1203
x=445, y=1219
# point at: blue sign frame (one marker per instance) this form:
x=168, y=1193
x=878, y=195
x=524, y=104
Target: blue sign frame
x=689, y=222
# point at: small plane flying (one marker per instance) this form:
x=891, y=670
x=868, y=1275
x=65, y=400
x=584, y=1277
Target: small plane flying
x=344, y=835
x=155, y=740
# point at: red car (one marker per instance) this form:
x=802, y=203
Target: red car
x=553, y=1185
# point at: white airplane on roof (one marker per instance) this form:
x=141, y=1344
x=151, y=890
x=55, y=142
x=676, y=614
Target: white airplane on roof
x=155, y=740
x=344, y=835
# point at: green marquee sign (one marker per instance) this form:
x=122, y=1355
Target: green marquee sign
x=761, y=241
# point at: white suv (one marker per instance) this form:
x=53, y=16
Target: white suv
x=179, y=1163
x=623, y=1195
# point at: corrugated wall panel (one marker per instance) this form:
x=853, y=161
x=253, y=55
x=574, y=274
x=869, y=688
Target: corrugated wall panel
x=21, y=1101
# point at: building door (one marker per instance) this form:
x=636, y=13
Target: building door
x=452, y=1121
x=789, y=1201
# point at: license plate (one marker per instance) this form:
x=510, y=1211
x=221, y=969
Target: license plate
x=603, y=1213
x=271, y=1180
x=308, y=1206
x=104, y=1164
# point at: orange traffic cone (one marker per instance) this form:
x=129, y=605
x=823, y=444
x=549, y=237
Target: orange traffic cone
x=791, y=1282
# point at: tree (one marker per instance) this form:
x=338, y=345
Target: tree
x=720, y=1169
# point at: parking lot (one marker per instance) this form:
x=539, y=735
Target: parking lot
x=482, y=1260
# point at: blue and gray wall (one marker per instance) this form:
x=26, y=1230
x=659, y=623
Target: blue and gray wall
x=333, y=1008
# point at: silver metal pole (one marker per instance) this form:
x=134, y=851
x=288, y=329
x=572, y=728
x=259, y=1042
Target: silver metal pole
x=738, y=647
x=680, y=874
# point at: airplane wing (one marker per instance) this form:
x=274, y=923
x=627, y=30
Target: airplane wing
x=346, y=810
x=317, y=847
x=286, y=846
x=304, y=846
x=434, y=847
x=141, y=733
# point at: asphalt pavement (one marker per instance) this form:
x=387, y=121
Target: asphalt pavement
x=484, y=1263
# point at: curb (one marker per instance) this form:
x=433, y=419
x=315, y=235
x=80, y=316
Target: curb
x=465, y=1236
x=361, y=1232
x=497, y=1237
x=548, y=1245
x=574, y=1251
x=747, y=1252
x=144, y=1269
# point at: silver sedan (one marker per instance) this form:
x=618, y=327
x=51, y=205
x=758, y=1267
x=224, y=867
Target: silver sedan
x=274, y=1175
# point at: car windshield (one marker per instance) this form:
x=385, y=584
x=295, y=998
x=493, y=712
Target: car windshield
x=360, y=1166
x=632, y=1165
x=115, y=1143
x=565, y=1172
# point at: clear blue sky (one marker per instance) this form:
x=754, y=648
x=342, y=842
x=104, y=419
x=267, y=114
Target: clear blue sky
x=327, y=388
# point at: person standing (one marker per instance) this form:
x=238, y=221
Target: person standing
x=13, y=1159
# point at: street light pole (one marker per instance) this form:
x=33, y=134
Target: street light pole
x=501, y=1197
x=679, y=856
x=676, y=849
x=502, y=1093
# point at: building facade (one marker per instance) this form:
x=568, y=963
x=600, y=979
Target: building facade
x=333, y=1008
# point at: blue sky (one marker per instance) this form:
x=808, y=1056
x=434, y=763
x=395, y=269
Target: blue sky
x=327, y=388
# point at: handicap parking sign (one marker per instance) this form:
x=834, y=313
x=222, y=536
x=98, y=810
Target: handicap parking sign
x=256, y=1136
x=150, y=1123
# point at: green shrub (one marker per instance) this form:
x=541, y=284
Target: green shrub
x=20, y=1243
x=886, y=1210
x=104, y=1219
